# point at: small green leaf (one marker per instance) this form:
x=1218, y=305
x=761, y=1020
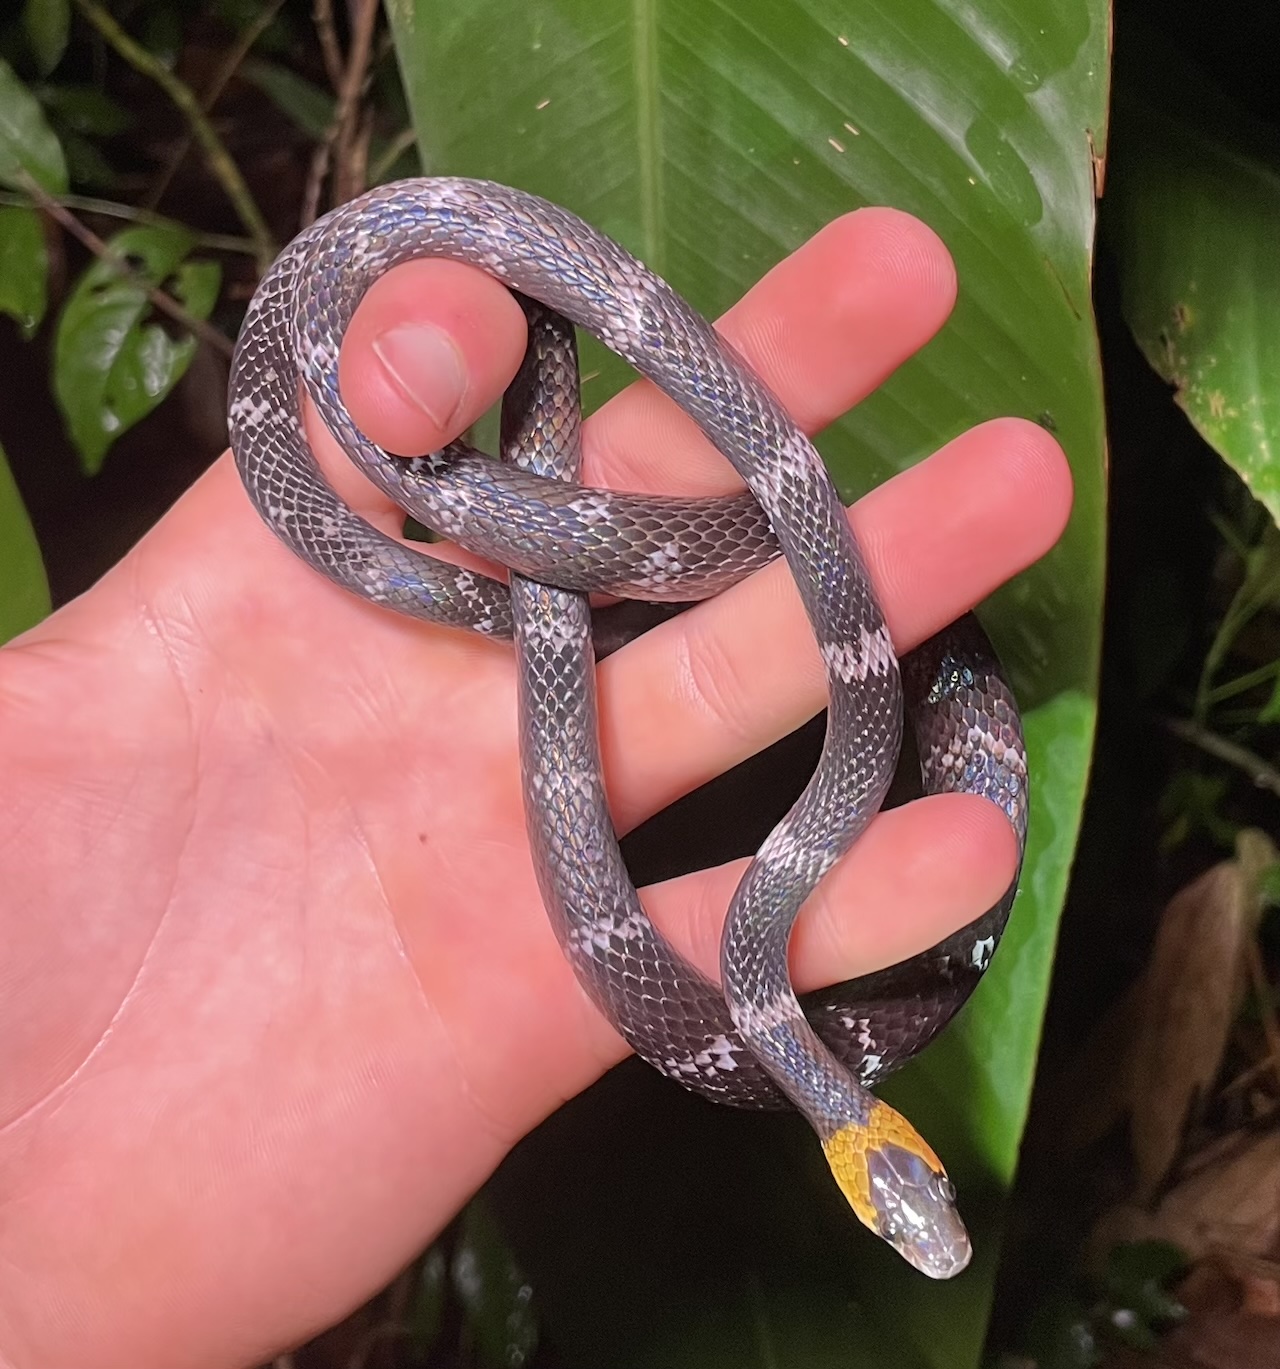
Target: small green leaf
x=307, y=105
x=24, y=267
x=84, y=109
x=1136, y=1280
x=47, y=23
x=86, y=166
x=1192, y=211
x=24, y=591
x=1269, y=886
x=495, y=1297
x=112, y=366
x=426, y=1310
x=27, y=143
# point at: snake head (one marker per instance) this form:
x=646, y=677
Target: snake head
x=898, y=1188
x=916, y=1211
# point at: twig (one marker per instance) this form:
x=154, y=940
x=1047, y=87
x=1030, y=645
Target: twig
x=236, y=54
x=354, y=166
x=220, y=160
x=322, y=14
x=86, y=204
x=336, y=143
x=354, y=82
x=1243, y=683
x=105, y=252
x=401, y=143
x=1263, y=775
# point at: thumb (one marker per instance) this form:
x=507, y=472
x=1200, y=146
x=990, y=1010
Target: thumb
x=430, y=348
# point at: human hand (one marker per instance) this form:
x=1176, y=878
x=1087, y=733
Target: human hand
x=278, y=992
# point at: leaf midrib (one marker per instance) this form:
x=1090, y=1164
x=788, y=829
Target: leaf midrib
x=644, y=25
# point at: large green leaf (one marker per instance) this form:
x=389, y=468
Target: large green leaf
x=1193, y=217
x=713, y=139
x=24, y=591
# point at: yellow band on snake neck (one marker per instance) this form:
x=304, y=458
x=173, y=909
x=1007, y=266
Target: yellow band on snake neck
x=847, y=1151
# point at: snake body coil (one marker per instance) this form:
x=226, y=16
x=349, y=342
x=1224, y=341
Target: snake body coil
x=749, y=1043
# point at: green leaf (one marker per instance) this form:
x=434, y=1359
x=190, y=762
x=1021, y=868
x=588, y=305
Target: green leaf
x=27, y=143
x=47, y=23
x=24, y=267
x=86, y=166
x=495, y=1297
x=1192, y=209
x=425, y=1316
x=1136, y=1283
x=24, y=591
x=112, y=366
x=307, y=105
x=712, y=140
x=85, y=110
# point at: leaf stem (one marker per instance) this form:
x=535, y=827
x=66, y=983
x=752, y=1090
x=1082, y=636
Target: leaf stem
x=335, y=147
x=220, y=161
x=1264, y=775
x=402, y=142
x=105, y=252
x=1243, y=683
x=87, y=204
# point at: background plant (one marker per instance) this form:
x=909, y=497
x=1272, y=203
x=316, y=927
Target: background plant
x=154, y=153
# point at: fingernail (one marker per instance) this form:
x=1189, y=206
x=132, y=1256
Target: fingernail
x=427, y=366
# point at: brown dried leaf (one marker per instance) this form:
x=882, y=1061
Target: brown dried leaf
x=1231, y=1204
x=1191, y=992
x=1159, y=1046
x=1225, y=1329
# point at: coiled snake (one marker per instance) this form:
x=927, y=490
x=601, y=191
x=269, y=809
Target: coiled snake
x=750, y=1042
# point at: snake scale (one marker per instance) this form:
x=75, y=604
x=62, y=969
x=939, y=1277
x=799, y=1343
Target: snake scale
x=747, y=1042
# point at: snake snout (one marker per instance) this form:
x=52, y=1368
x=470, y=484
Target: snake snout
x=917, y=1212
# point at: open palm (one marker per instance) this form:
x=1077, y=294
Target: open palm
x=276, y=988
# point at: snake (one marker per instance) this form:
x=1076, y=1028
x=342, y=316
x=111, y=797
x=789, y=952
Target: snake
x=747, y=1041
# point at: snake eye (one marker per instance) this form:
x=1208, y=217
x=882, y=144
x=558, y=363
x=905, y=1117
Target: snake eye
x=946, y=1189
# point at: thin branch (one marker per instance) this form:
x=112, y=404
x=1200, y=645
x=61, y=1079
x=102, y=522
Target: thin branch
x=236, y=54
x=401, y=143
x=356, y=79
x=220, y=161
x=335, y=145
x=105, y=252
x=1262, y=774
x=322, y=13
x=1243, y=683
x=87, y=204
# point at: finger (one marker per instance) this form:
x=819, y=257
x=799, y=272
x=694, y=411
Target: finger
x=918, y=873
x=430, y=347
x=721, y=682
x=823, y=328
